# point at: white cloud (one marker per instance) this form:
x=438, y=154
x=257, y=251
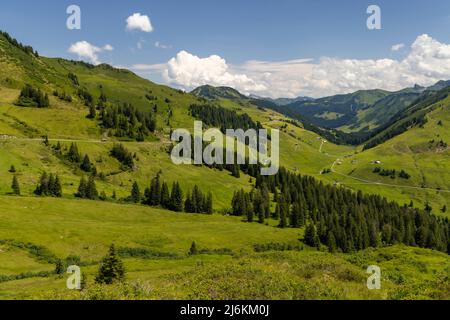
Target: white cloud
x=108, y=47
x=149, y=67
x=162, y=46
x=397, y=47
x=427, y=62
x=191, y=71
x=85, y=50
x=139, y=22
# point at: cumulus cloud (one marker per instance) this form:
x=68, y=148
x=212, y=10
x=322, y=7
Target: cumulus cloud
x=139, y=22
x=427, y=62
x=85, y=50
x=191, y=71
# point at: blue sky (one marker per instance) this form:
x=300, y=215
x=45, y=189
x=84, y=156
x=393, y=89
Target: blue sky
x=236, y=31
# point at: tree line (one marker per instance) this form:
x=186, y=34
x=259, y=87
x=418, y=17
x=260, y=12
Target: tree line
x=339, y=218
x=127, y=121
x=32, y=97
x=27, y=49
x=392, y=173
x=215, y=116
x=159, y=194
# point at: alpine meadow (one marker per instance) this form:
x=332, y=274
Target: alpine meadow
x=87, y=180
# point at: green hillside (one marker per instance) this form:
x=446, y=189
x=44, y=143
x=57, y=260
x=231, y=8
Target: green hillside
x=235, y=259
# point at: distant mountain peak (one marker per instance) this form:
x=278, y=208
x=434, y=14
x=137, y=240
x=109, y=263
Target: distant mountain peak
x=211, y=92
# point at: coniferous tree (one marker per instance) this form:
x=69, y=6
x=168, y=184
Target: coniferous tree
x=42, y=188
x=208, y=208
x=176, y=198
x=154, y=194
x=111, y=268
x=311, y=238
x=331, y=242
x=193, y=249
x=82, y=189
x=188, y=205
x=86, y=164
x=165, y=196
x=91, y=191
x=12, y=169
x=57, y=188
x=15, y=186
x=73, y=154
x=135, y=193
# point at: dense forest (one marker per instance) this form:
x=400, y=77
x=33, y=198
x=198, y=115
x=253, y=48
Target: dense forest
x=339, y=219
x=222, y=118
x=127, y=121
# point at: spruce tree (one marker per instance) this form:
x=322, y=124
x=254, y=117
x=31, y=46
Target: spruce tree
x=86, y=164
x=91, y=190
x=176, y=198
x=42, y=189
x=135, y=193
x=209, y=204
x=57, y=188
x=73, y=154
x=111, y=268
x=155, y=192
x=193, y=249
x=165, y=196
x=82, y=189
x=15, y=186
x=311, y=238
x=188, y=206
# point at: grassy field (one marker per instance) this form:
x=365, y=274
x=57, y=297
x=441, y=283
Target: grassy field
x=84, y=229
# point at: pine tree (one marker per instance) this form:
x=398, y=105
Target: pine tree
x=82, y=188
x=91, y=190
x=15, y=186
x=176, y=198
x=12, y=169
x=209, y=204
x=57, y=188
x=154, y=196
x=73, y=154
x=135, y=193
x=188, y=206
x=86, y=164
x=111, y=268
x=331, y=242
x=294, y=218
x=193, y=250
x=311, y=238
x=165, y=196
x=42, y=187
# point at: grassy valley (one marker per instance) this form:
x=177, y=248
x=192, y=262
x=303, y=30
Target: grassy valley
x=234, y=259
